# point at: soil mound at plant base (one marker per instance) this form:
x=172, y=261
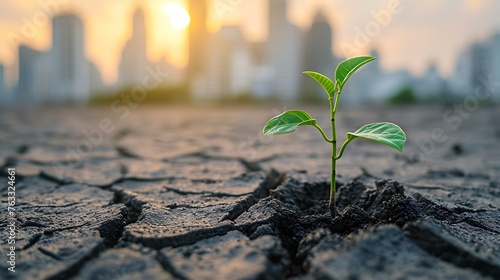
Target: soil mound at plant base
x=377, y=223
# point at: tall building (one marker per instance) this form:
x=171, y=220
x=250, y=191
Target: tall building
x=478, y=65
x=482, y=57
x=318, y=55
x=460, y=83
x=284, y=52
x=70, y=67
x=496, y=67
x=3, y=90
x=229, y=65
x=197, y=38
x=27, y=90
x=134, y=60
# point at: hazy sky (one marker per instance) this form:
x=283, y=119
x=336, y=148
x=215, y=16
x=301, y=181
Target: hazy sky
x=416, y=34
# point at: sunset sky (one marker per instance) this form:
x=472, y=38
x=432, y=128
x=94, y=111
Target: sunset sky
x=422, y=32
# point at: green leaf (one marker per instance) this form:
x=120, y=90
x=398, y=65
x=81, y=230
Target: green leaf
x=287, y=122
x=346, y=68
x=384, y=133
x=324, y=81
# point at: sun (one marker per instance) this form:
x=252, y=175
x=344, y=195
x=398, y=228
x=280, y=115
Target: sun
x=179, y=17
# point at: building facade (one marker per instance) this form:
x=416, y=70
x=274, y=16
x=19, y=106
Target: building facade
x=318, y=55
x=284, y=53
x=134, y=60
x=70, y=67
x=3, y=87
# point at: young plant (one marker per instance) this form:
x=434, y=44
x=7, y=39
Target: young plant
x=384, y=133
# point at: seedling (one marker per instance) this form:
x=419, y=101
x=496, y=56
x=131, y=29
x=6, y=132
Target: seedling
x=384, y=133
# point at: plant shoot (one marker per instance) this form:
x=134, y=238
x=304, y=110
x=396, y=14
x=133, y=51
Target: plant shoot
x=384, y=132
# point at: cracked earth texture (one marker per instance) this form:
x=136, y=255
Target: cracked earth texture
x=199, y=193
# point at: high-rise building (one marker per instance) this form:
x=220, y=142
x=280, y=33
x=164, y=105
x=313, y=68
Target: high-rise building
x=496, y=67
x=482, y=58
x=461, y=83
x=318, y=55
x=229, y=65
x=284, y=53
x=27, y=90
x=134, y=60
x=479, y=68
x=70, y=67
x=197, y=38
x=2, y=83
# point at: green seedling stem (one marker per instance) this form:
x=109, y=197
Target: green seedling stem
x=384, y=132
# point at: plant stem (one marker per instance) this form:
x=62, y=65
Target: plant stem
x=323, y=133
x=332, y=204
x=342, y=148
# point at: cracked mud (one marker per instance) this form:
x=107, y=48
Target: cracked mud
x=190, y=194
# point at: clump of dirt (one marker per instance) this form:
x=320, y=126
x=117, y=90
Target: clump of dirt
x=300, y=216
x=370, y=199
x=303, y=194
x=300, y=206
x=292, y=227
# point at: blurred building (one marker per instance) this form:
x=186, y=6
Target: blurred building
x=317, y=55
x=134, y=60
x=283, y=53
x=486, y=65
x=478, y=67
x=482, y=61
x=27, y=88
x=3, y=87
x=461, y=83
x=229, y=65
x=430, y=86
x=70, y=67
x=496, y=67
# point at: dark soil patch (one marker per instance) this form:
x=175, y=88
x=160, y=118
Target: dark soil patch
x=300, y=218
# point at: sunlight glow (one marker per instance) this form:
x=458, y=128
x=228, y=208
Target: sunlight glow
x=179, y=17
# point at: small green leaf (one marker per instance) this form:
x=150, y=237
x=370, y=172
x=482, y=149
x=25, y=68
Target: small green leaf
x=384, y=133
x=287, y=122
x=324, y=81
x=346, y=68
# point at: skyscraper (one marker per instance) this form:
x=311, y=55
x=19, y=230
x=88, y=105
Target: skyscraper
x=134, y=58
x=197, y=37
x=482, y=58
x=317, y=55
x=284, y=52
x=27, y=88
x=70, y=67
x=496, y=67
x=2, y=83
x=461, y=82
x=230, y=65
x=486, y=65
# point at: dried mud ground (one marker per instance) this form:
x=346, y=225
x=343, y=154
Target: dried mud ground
x=198, y=193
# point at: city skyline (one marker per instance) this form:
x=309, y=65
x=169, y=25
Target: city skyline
x=474, y=18
x=225, y=64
